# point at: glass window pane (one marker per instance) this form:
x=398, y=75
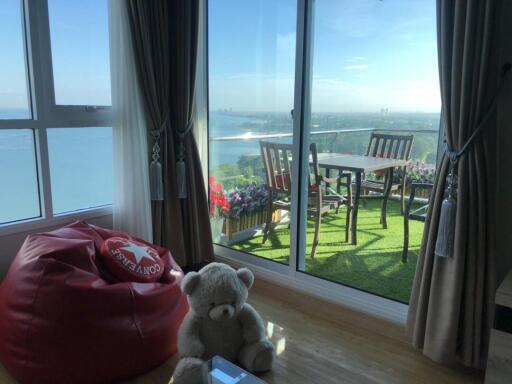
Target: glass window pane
x=251, y=92
x=19, y=193
x=80, y=167
x=80, y=51
x=14, y=102
x=374, y=73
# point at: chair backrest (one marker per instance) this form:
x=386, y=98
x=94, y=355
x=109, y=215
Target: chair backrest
x=390, y=146
x=277, y=161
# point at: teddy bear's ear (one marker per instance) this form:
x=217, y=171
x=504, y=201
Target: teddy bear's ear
x=190, y=281
x=246, y=276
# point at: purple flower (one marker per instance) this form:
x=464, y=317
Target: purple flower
x=247, y=199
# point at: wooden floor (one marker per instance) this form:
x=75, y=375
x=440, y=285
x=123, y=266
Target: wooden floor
x=313, y=349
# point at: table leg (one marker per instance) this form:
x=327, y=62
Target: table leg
x=387, y=192
x=355, y=208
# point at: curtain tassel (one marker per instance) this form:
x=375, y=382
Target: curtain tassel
x=446, y=229
x=156, y=184
x=181, y=176
x=181, y=170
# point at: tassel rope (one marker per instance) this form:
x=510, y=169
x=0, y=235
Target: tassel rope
x=156, y=183
x=181, y=170
x=446, y=228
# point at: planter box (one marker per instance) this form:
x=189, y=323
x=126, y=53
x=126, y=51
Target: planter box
x=248, y=221
x=423, y=193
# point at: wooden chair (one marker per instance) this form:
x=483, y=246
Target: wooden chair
x=277, y=163
x=418, y=214
x=390, y=147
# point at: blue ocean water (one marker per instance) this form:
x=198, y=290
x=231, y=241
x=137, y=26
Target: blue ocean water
x=81, y=162
x=81, y=158
x=230, y=124
x=18, y=175
x=222, y=124
x=80, y=169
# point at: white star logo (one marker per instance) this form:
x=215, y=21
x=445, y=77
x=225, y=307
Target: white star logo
x=140, y=252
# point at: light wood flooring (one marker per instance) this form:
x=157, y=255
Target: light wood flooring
x=328, y=349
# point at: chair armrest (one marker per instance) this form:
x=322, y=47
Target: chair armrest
x=414, y=187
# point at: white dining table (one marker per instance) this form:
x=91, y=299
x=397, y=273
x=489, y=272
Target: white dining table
x=359, y=165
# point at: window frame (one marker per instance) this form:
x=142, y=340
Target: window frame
x=47, y=114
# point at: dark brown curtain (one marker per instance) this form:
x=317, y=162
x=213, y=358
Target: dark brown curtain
x=451, y=308
x=165, y=35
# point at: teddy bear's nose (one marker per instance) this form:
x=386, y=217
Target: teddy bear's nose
x=225, y=311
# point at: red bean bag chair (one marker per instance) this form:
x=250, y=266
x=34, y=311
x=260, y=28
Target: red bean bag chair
x=65, y=319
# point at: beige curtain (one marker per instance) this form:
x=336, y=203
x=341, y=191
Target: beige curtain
x=165, y=35
x=451, y=307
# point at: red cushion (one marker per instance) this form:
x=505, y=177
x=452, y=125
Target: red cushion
x=131, y=260
x=63, y=320
x=283, y=180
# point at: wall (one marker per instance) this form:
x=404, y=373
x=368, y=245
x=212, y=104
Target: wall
x=504, y=192
x=10, y=244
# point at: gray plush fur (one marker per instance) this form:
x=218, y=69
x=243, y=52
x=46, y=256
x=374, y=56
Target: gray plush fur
x=220, y=322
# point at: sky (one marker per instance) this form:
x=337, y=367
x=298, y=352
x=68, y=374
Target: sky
x=368, y=55
x=13, y=93
x=80, y=53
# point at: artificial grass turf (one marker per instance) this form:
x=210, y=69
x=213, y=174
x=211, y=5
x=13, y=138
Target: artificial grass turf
x=374, y=264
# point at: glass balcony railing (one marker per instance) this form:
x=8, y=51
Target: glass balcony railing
x=236, y=160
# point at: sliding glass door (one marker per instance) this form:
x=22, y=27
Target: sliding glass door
x=251, y=95
x=374, y=81
x=336, y=104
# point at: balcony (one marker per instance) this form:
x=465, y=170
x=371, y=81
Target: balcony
x=374, y=264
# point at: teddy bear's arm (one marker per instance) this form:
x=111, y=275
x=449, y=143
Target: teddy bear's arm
x=252, y=324
x=189, y=343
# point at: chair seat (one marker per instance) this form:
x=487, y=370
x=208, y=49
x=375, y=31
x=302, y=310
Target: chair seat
x=282, y=204
x=326, y=207
x=329, y=202
x=377, y=186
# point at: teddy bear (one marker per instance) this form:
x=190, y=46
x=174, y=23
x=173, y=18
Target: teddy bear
x=220, y=322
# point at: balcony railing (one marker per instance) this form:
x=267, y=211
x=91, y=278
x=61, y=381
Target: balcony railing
x=350, y=141
x=250, y=136
x=334, y=145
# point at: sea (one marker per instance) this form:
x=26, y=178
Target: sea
x=81, y=158
x=80, y=169
x=225, y=125
x=229, y=125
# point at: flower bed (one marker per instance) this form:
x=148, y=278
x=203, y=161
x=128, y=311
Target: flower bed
x=243, y=208
x=248, y=208
x=219, y=209
x=419, y=172
x=219, y=204
x=246, y=221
